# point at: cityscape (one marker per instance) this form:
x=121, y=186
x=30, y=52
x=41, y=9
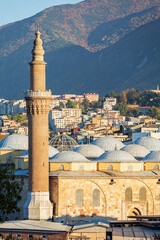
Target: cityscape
x=78, y=165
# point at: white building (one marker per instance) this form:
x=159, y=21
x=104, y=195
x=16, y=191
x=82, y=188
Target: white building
x=109, y=103
x=59, y=119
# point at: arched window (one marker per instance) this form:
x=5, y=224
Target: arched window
x=81, y=167
x=79, y=198
x=130, y=168
x=142, y=194
x=110, y=167
x=128, y=194
x=96, y=197
x=61, y=167
x=156, y=167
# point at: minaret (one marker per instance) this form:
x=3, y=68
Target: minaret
x=38, y=205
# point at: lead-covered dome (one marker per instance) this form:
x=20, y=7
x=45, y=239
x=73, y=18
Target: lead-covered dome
x=68, y=156
x=108, y=143
x=52, y=151
x=136, y=150
x=152, y=157
x=15, y=141
x=90, y=151
x=151, y=143
x=116, y=156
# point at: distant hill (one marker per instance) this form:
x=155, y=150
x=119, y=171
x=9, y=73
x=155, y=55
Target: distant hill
x=92, y=46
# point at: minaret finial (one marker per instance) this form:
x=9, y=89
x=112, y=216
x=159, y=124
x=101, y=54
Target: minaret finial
x=37, y=52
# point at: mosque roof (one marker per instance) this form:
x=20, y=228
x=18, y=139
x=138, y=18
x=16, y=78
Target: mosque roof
x=151, y=143
x=90, y=150
x=152, y=157
x=68, y=156
x=63, y=142
x=136, y=150
x=15, y=141
x=108, y=143
x=52, y=151
x=116, y=156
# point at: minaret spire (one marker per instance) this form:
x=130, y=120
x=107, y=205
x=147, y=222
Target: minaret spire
x=38, y=52
x=38, y=205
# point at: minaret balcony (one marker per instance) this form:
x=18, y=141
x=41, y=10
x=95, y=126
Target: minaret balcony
x=37, y=94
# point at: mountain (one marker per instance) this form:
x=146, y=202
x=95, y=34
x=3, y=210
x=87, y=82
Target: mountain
x=90, y=47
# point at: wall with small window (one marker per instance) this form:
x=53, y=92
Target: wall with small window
x=84, y=166
x=54, y=166
x=103, y=166
x=131, y=166
x=149, y=166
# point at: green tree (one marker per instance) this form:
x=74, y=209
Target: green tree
x=18, y=117
x=10, y=191
x=71, y=104
x=112, y=94
x=132, y=95
x=154, y=112
x=122, y=107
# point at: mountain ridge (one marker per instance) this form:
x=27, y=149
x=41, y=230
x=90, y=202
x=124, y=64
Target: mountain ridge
x=81, y=33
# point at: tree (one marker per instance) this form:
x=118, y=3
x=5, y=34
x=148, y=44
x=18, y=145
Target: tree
x=123, y=97
x=10, y=191
x=112, y=94
x=122, y=107
x=71, y=104
x=18, y=117
x=154, y=112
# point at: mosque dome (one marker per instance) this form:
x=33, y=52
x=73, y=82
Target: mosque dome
x=152, y=157
x=108, y=143
x=52, y=151
x=62, y=142
x=151, y=143
x=90, y=150
x=136, y=150
x=116, y=156
x=15, y=141
x=68, y=156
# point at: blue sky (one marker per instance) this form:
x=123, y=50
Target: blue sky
x=14, y=10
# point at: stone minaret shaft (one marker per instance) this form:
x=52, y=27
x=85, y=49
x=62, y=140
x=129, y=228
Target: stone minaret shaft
x=38, y=102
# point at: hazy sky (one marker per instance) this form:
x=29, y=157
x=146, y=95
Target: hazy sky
x=14, y=10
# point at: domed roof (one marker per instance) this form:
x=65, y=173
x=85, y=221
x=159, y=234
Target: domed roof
x=90, y=151
x=15, y=141
x=116, y=156
x=151, y=143
x=152, y=157
x=62, y=142
x=68, y=156
x=52, y=151
x=108, y=143
x=136, y=150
